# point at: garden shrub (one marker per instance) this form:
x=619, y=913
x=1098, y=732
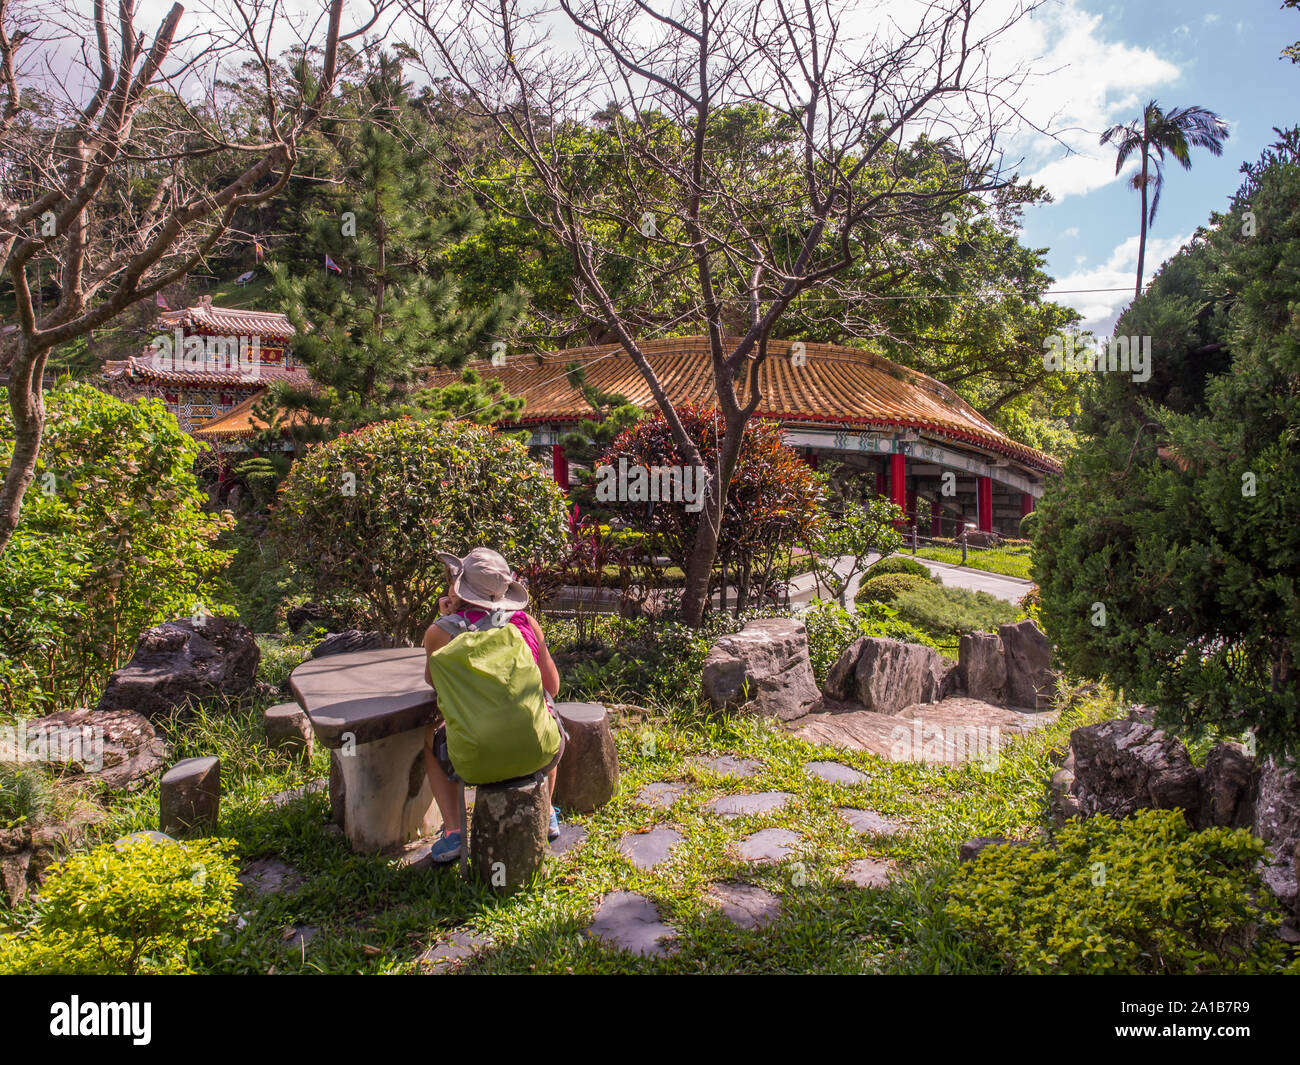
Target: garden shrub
x=945, y=613
x=899, y=564
x=364, y=514
x=1145, y=895
x=24, y=795
x=831, y=628
x=886, y=587
x=113, y=539
x=141, y=906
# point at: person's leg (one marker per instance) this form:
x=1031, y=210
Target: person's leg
x=446, y=792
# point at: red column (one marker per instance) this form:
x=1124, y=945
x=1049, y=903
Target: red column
x=812, y=458
x=1026, y=504
x=984, y=503
x=898, y=481
x=936, y=518
x=560, y=466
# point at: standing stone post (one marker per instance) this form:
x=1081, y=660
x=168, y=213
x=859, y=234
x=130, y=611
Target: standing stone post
x=289, y=729
x=190, y=796
x=587, y=775
x=507, y=841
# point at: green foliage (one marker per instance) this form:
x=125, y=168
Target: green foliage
x=900, y=564
x=831, y=628
x=1179, y=516
x=136, y=907
x=1145, y=896
x=854, y=530
x=262, y=475
x=24, y=795
x=945, y=613
x=886, y=587
x=113, y=539
x=363, y=514
x=1029, y=525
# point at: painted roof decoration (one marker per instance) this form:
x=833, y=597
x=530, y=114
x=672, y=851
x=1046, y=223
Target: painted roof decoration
x=143, y=367
x=835, y=386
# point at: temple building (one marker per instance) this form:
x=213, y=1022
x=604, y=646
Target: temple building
x=206, y=361
x=932, y=453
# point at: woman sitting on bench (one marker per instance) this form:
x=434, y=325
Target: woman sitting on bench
x=495, y=680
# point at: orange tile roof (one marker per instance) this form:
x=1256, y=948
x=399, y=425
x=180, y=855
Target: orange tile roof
x=837, y=386
x=228, y=321
x=239, y=421
x=141, y=368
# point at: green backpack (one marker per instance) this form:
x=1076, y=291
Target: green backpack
x=490, y=695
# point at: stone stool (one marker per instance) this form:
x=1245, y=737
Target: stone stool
x=190, y=796
x=507, y=840
x=289, y=729
x=587, y=776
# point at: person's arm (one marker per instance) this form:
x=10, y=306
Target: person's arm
x=435, y=637
x=550, y=674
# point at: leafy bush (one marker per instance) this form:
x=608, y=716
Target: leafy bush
x=831, y=628
x=852, y=530
x=24, y=795
x=1145, y=895
x=946, y=613
x=136, y=907
x=886, y=587
x=1029, y=524
x=113, y=539
x=900, y=564
x=364, y=514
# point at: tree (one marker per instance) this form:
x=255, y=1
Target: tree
x=114, y=189
x=1167, y=555
x=388, y=309
x=693, y=196
x=1155, y=133
x=853, y=530
x=363, y=514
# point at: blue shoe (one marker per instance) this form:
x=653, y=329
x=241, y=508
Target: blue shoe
x=553, y=829
x=447, y=849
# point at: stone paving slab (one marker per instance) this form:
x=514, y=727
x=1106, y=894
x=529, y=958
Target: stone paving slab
x=645, y=850
x=269, y=876
x=869, y=823
x=728, y=765
x=283, y=798
x=748, y=803
x=744, y=905
x=662, y=793
x=869, y=873
x=630, y=921
x=297, y=937
x=836, y=773
x=767, y=845
x=570, y=836
x=447, y=955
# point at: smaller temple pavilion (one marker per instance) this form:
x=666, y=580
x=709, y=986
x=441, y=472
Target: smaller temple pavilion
x=932, y=453
x=205, y=361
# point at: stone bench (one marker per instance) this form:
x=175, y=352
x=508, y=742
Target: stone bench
x=370, y=708
x=587, y=775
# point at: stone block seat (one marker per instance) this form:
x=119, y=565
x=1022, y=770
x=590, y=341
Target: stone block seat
x=370, y=708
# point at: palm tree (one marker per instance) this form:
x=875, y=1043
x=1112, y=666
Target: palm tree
x=1156, y=133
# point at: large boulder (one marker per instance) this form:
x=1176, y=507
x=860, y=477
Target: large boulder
x=1277, y=823
x=181, y=662
x=1229, y=782
x=116, y=748
x=1124, y=766
x=1031, y=683
x=27, y=851
x=763, y=669
x=885, y=676
x=982, y=666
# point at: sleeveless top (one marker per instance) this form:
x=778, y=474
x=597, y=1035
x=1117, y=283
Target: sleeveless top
x=519, y=620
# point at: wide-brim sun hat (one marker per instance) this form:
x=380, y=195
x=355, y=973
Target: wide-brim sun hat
x=482, y=579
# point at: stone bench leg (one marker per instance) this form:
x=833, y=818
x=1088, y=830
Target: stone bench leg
x=587, y=775
x=386, y=796
x=507, y=839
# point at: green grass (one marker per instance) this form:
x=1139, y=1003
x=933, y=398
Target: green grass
x=1012, y=561
x=374, y=917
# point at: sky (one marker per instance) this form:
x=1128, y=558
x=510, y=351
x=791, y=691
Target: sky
x=1208, y=54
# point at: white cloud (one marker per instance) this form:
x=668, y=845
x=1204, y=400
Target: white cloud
x=1073, y=231
x=1119, y=271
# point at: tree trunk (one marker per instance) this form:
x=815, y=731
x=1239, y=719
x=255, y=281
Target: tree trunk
x=699, y=566
x=28, y=408
x=1142, y=234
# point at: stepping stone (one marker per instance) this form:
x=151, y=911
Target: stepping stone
x=727, y=765
x=418, y=854
x=748, y=803
x=630, y=921
x=836, y=773
x=447, y=955
x=869, y=823
x=645, y=850
x=283, y=798
x=870, y=873
x=269, y=876
x=298, y=936
x=767, y=845
x=570, y=836
x=157, y=837
x=744, y=905
x=661, y=794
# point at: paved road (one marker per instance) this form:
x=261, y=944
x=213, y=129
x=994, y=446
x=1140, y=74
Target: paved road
x=977, y=580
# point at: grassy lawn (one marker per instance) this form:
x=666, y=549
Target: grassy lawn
x=373, y=916
x=1012, y=561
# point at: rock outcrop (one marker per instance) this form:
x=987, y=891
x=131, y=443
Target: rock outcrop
x=764, y=669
